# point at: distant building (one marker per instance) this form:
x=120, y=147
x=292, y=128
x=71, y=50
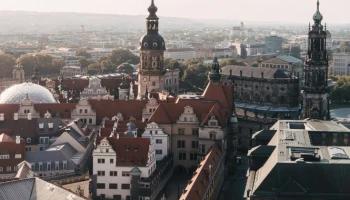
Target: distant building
x=95, y=90
x=262, y=96
x=70, y=71
x=289, y=161
x=181, y=54
x=290, y=63
x=340, y=64
x=273, y=44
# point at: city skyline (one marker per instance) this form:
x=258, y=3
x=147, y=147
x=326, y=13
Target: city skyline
x=248, y=10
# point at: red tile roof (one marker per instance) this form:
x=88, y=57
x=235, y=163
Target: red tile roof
x=110, y=108
x=8, y=110
x=198, y=185
x=5, y=138
x=21, y=127
x=130, y=151
x=169, y=112
x=62, y=110
x=219, y=92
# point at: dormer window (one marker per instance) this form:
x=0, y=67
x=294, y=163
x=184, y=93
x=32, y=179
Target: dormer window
x=2, y=117
x=212, y=121
x=41, y=125
x=29, y=116
x=50, y=125
x=15, y=116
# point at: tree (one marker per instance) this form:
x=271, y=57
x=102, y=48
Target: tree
x=126, y=68
x=45, y=64
x=7, y=62
x=341, y=92
x=84, y=63
x=94, y=69
x=120, y=56
x=195, y=76
x=226, y=62
x=83, y=53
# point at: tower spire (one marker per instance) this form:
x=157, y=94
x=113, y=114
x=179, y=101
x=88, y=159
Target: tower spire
x=318, y=16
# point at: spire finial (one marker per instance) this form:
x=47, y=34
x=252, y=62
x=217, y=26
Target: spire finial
x=318, y=16
x=152, y=9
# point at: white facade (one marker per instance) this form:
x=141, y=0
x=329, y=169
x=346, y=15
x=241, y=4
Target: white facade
x=158, y=138
x=95, y=89
x=181, y=54
x=84, y=112
x=108, y=173
x=340, y=65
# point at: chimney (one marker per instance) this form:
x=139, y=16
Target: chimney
x=18, y=139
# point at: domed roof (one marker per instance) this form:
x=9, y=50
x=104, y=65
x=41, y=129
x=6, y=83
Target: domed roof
x=36, y=93
x=152, y=41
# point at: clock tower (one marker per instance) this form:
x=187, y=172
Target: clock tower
x=152, y=46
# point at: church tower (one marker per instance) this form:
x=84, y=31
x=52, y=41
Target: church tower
x=214, y=74
x=18, y=73
x=315, y=90
x=152, y=46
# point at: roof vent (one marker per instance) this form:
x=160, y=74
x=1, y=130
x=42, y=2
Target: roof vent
x=337, y=153
x=306, y=153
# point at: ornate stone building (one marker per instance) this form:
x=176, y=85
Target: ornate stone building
x=262, y=96
x=153, y=77
x=315, y=90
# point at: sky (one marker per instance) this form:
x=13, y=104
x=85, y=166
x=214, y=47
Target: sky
x=299, y=11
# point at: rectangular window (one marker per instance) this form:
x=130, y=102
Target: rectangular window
x=90, y=121
x=4, y=156
x=182, y=156
x=117, y=197
x=124, y=173
x=212, y=136
x=113, y=186
x=100, y=173
x=101, y=186
x=41, y=125
x=181, y=131
x=65, y=166
x=113, y=173
x=111, y=161
x=125, y=186
x=159, y=151
x=50, y=125
x=193, y=156
x=181, y=144
x=194, y=144
x=159, y=141
x=101, y=161
x=195, y=132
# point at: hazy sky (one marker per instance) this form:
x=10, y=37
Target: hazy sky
x=334, y=11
